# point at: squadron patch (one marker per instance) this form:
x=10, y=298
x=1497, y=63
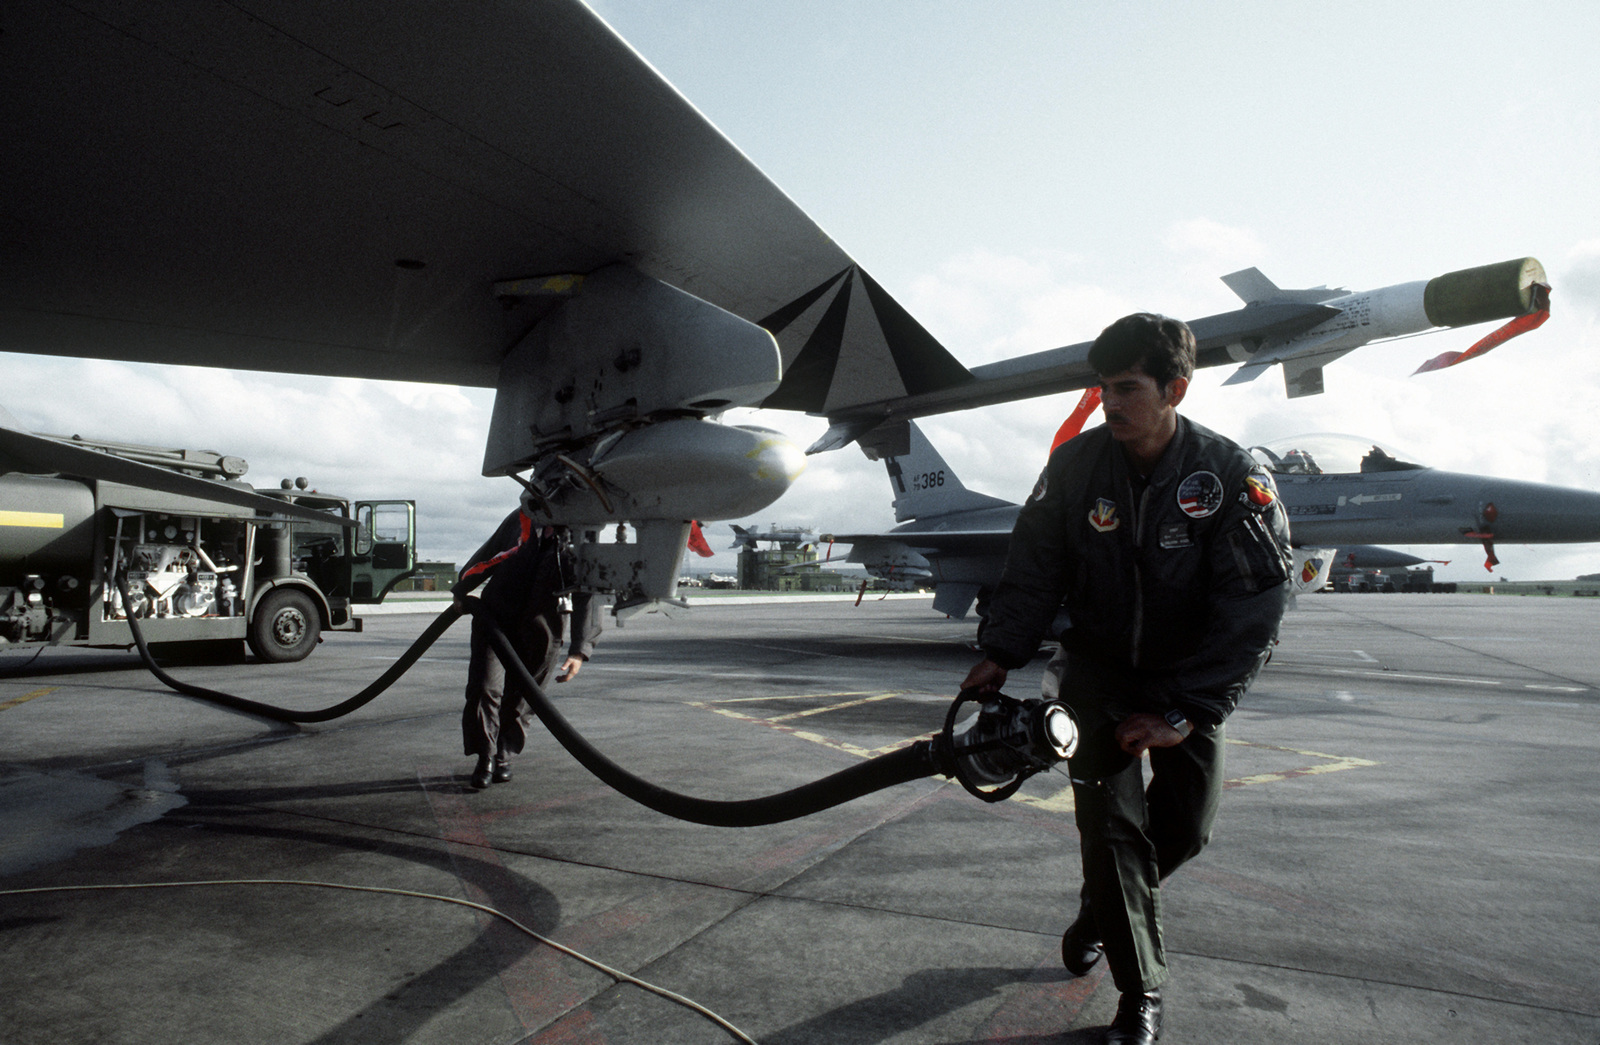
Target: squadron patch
x=1041, y=486
x=1200, y=494
x=1309, y=571
x=1258, y=493
x=1104, y=517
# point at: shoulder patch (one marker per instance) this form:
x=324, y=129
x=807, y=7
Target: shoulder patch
x=1259, y=492
x=1041, y=486
x=1103, y=517
x=1200, y=494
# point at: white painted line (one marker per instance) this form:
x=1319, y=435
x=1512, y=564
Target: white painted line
x=1456, y=680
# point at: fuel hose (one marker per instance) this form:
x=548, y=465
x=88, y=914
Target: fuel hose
x=429, y=636
x=898, y=767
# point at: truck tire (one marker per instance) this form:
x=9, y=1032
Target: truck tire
x=285, y=627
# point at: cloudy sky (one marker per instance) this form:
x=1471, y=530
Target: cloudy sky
x=1018, y=174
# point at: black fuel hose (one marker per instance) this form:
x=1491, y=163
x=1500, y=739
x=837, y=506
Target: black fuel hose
x=431, y=635
x=898, y=767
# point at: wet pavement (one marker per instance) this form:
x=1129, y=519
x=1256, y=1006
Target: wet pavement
x=1408, y=851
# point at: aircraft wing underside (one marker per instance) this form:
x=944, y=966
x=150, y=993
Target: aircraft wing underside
x=355, y=189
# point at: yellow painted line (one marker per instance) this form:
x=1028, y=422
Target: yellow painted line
x=792, y=696
x=14, y=701
x=836, y=707
x=805, y=734
x=1060, y=802
x=37, y=520
x=1333, y=764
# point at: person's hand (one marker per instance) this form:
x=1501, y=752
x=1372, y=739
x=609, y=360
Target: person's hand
x=1140, y=732
x=985, y=677
x=569, y=669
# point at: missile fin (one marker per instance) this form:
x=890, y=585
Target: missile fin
x=1302, y=379
x=1248, y=372
x=1251, y=286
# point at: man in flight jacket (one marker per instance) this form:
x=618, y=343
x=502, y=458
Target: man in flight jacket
x=1164, y=549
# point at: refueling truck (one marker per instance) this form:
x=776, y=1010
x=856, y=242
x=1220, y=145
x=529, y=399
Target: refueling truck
x=195, y=570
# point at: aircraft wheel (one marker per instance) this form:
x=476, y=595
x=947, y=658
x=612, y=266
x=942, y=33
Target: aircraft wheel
x=286, y=626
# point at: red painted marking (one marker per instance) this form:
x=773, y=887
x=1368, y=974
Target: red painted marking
x=1044, y=1006
x=538, y=980
x=575, y=1028
x=535, y=977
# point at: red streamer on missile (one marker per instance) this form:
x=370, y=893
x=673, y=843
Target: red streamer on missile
x=1080, y=413
x=697, y=541
x=1520, y=325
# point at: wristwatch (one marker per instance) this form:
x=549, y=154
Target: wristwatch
x=1176, y=720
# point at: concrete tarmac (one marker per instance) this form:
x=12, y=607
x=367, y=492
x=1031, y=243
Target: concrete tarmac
x=1408, y=851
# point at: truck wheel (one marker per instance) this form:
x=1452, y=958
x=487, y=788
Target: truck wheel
x=286, y=626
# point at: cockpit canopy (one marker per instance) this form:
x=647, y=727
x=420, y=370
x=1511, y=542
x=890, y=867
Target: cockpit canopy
x=1323, y=453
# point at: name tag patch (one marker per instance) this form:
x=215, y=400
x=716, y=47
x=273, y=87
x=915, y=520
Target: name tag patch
x=1176, y=535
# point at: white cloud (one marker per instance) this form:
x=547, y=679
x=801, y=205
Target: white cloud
x=1214, y=246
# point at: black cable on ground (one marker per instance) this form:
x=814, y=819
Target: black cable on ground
x=440, y=624
x=898, y=767
x=615, y=974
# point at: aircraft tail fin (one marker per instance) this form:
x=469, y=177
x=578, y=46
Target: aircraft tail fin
x=925, y=485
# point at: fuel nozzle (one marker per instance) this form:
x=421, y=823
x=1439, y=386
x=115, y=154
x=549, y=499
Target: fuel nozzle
x=1003, y=742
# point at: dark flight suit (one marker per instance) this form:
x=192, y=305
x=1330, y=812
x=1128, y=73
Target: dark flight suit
x=524, y=575
x=1174, y=589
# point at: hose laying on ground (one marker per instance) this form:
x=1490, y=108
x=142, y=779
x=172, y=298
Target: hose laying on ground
x=440, y=624
x=898, y=767
x=616, y=974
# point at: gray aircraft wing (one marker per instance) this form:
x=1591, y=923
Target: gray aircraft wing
x=381, y=189
x=404, y=189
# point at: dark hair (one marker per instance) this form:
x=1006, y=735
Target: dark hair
x=1161, y=346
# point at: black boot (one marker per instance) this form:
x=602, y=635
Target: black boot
x=502, y=768
x=1080, y=944
x=1138, y=1020
x=480, y=773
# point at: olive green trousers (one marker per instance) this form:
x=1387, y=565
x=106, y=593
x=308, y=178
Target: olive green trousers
x=1133, y=834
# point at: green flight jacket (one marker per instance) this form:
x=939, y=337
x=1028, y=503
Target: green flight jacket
x=1181, y=584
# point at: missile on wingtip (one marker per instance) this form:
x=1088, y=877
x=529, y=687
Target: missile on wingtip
x=1462, y=298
